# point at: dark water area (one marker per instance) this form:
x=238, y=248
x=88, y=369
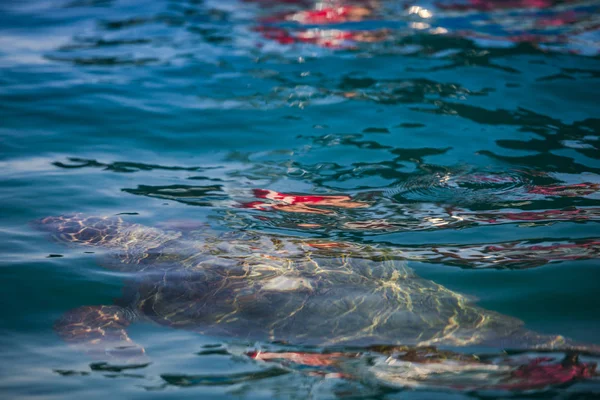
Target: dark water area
x=377, y=172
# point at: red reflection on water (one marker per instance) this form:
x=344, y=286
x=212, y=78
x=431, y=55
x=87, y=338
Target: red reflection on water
x=329, y=38
x=297, y=357
x=322, y=15
x=574, y=190
x=510, y=254
x=330, y=15
x=542, y=23
x=300, y=203
x=577, y=214
x=429, y=367
x=517, y=254
x=543, y=372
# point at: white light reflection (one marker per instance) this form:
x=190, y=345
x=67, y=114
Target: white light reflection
x=419, y=25
x=420, y=11
x=439, y=31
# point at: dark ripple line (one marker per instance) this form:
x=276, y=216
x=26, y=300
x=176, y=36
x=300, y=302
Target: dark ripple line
x=123, y=166
x=222, y=380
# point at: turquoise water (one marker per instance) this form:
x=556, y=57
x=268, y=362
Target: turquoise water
x=467, y=136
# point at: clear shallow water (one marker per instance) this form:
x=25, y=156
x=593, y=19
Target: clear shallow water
x=468, y=138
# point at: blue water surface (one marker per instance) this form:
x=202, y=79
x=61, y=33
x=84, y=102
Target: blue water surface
x=458, y=127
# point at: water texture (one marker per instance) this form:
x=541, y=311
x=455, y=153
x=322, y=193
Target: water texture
x=367, y=167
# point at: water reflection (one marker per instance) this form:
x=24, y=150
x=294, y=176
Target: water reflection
x=324, y=13
x=428, y=367
x=453, y=30
x=120, y=166
x=376, y=371
x=542, y=25
x=301, y=204
x=431, y=198
x=547, y=24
